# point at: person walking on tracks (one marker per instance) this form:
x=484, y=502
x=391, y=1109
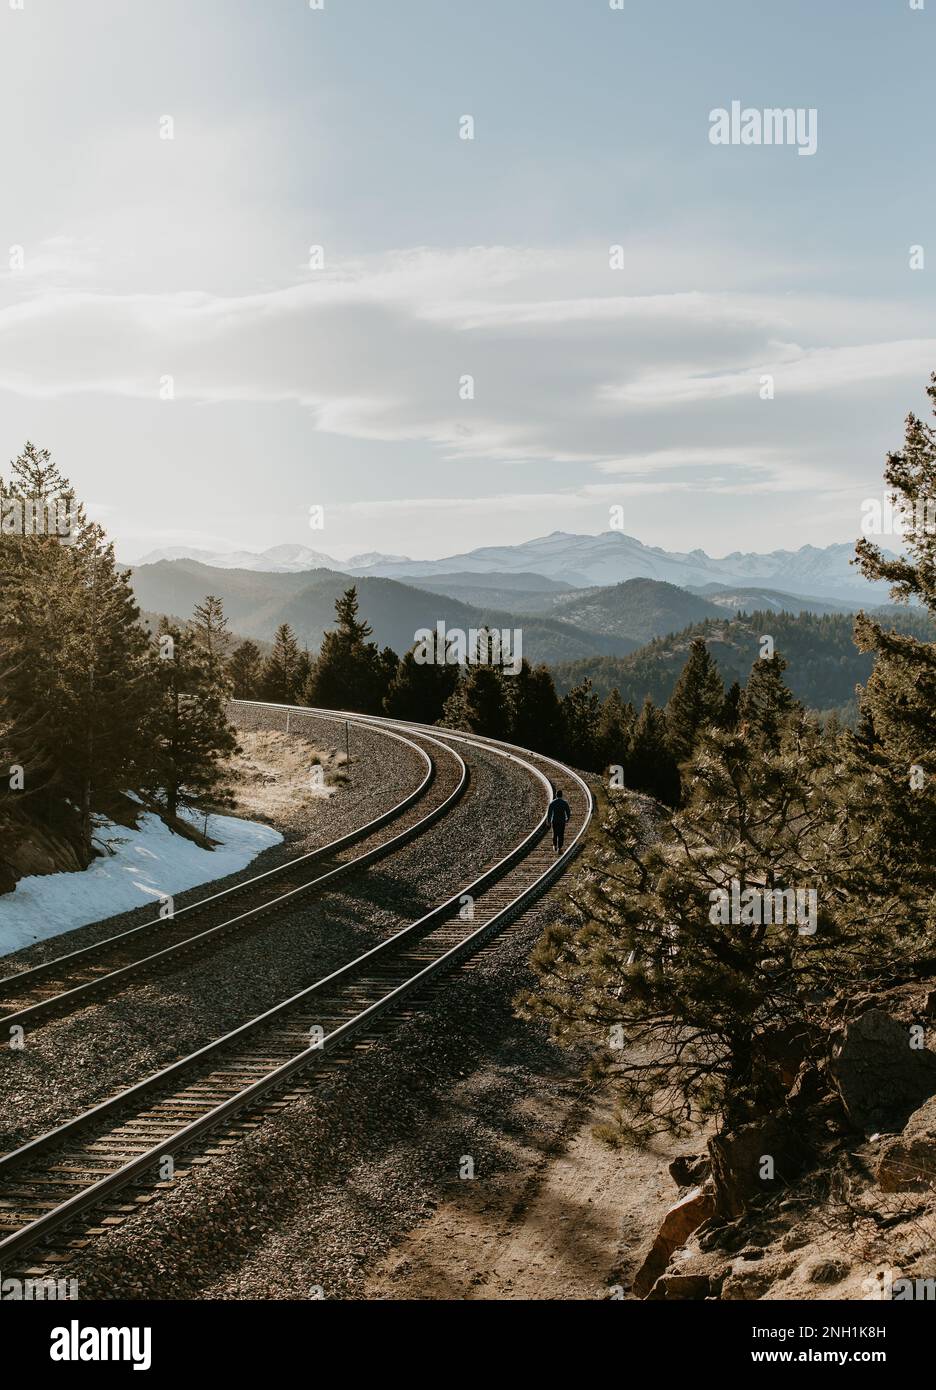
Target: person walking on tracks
x=558, y=816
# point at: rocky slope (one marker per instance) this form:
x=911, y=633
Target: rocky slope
x=850, y=1212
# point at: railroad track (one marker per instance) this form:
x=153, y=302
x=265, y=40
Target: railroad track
x=80, y=1167
x=68, y=982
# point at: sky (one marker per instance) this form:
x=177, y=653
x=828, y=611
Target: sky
x=588, y=305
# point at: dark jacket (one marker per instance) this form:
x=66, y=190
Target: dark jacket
x=559, y=811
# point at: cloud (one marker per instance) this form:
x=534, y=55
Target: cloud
x=694, y=458
x=565, y=367
x=562, y=500
x=55, y=261
x=793, y=369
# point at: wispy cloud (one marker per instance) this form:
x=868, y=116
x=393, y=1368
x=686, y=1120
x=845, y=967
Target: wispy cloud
x=386, y=348
x=791, y=369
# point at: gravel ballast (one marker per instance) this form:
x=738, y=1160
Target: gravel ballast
x=71, y=1063
x=305, y=1205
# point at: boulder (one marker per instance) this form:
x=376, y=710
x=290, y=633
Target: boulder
x=749, y=1279
x=739, y=1171
x=880, y=1078
x=677, y=1226
x=692, y=1274
x=681, y=1286
x=690, y=1169
x=909, y=1161
x=719, y=1234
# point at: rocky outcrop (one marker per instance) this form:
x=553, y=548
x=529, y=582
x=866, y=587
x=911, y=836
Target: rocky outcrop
x=675, y=1287
x=678, y=1225
x=759, y=1158
x=879, y=1076
x=27, y=848
x=690, y=1170
x=827, y=1212
x=908, y=1163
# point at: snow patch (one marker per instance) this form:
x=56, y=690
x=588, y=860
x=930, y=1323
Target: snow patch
x=137, y=866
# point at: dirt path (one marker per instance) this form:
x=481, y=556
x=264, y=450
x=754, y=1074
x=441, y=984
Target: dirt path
x=567, y=1223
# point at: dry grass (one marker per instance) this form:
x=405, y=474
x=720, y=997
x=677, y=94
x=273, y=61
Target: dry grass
x=276, y=774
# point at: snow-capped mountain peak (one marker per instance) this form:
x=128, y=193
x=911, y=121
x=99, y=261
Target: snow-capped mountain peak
x=611, y=557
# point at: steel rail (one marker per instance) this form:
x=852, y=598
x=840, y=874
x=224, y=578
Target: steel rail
x=247, y=1097
x=77, y=994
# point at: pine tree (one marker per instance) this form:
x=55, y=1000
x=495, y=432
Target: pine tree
x=104, y=692
x=697, y=702
x=35, y=477
x=578, y=712
x=418, y=690
x=73, y=693
x=389, y=664
x=832, y=729
x=352, y=628
x=731, y=707
x=766, y=703
x=86, y=708
x=535, y=718
x=244, y=671
x=303, y=674
x=36, y=582
x=651, y=767
x=280, y=673
x=35, y=588
x=894, y=749
x=349, y=672
x=211, y=627
x=616, y=721
x=480, y=703
x=190, y=736
x=653, y=960
x=892, y=812
x=454, y=711
x=774, y=803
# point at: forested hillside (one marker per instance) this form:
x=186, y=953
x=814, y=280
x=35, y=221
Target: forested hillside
x=257, y=604
x=639, y=609
x=824, y=664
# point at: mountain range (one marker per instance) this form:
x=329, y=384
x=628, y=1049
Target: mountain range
x=582, y=561
x=256, y=603
x=634, y=635
x=636, y=607
x=278, y=559
x=560, y=623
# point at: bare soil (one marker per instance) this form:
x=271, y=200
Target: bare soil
x=569, y=1221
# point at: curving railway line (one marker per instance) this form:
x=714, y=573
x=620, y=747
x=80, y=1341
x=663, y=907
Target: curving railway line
x=68, y=982
x=62, y=1181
